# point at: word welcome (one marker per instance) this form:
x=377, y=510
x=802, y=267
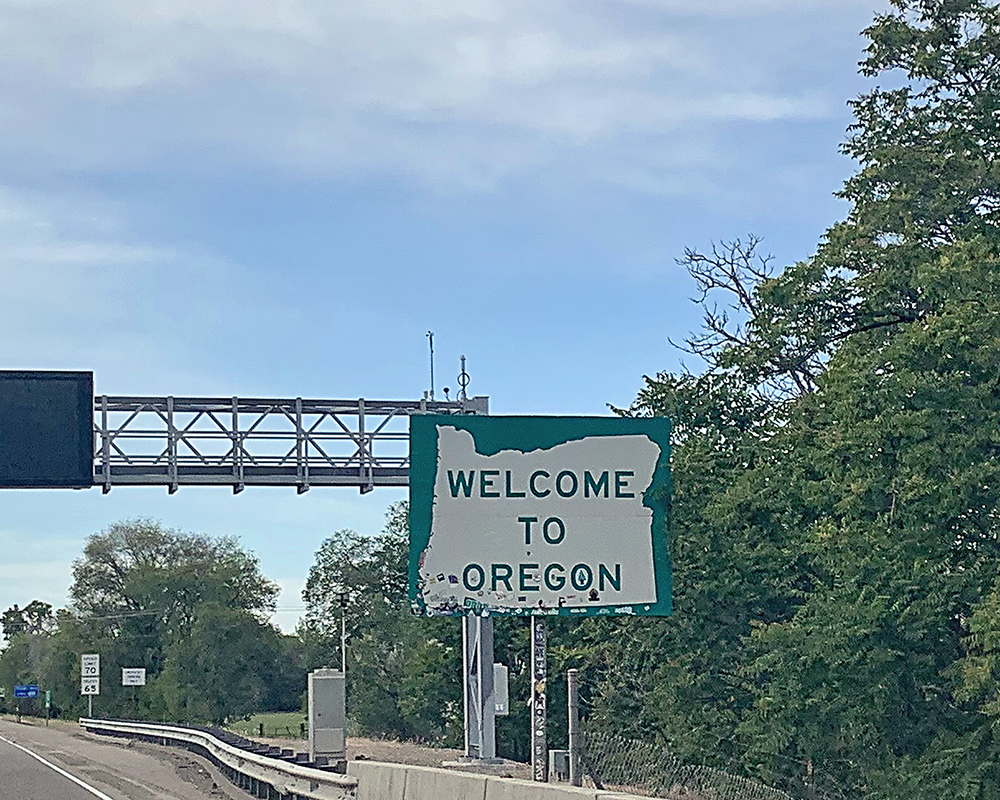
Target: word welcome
x=540, y=483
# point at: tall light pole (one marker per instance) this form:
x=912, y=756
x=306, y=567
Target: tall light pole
x=342, y=599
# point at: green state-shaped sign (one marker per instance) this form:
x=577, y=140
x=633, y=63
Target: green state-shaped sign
x=539, y=515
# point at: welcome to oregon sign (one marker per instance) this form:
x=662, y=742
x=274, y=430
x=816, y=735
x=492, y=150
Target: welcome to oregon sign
x=539, y=515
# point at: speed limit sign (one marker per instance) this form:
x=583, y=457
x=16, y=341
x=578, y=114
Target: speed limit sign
x=90, y=673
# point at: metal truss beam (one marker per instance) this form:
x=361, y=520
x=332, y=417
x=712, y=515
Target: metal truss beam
x=239, y=442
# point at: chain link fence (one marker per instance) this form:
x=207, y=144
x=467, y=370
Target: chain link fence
x=613, y=762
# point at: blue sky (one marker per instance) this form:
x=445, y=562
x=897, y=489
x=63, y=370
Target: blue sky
x=280, y=198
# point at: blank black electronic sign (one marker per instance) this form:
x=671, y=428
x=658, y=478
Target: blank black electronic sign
x=46, y=429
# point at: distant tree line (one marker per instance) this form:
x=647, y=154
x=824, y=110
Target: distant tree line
x=191, y=609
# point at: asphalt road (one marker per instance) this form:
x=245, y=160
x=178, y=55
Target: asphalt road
x=22, y=776
x=40, y=763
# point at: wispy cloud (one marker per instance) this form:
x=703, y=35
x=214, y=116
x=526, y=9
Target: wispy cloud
x=446, y=91
x=79, y=291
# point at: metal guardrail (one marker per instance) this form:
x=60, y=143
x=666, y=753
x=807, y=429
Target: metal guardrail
x=267, y=772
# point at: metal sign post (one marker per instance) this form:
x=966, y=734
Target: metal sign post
x=342, y=601
x=480, y=702
x=573, y=707
x=134, y=676
x=539, y=719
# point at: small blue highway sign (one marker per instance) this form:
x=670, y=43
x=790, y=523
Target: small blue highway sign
x=31, y=690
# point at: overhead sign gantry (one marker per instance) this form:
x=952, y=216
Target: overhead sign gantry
x=55, y=433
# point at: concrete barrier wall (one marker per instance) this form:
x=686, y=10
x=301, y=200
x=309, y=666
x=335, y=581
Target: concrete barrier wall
x=381, y=781
x=509, y=789
x=365, y=780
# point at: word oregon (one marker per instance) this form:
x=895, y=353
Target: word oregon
x=487, y=483
x=525, y=578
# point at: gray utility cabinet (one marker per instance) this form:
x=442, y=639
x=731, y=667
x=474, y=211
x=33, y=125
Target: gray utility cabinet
x=327, y=716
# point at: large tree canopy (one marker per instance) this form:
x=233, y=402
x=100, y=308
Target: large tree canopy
x=140, y=566
x=837, y=470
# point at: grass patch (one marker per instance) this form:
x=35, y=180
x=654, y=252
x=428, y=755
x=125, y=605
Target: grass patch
x=277, y=724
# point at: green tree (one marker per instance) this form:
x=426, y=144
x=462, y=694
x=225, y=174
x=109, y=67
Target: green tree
x=896, y=445
x=680, y=681
x=897, y=435
x=223, y=669
x=402, y=672
x=28, y=632
x=36, y=617
x=139, y=590
x=928, y=180
x=140, y=566
x=829, y=559
x=13, y=622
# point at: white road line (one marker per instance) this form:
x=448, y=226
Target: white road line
x=64, y=773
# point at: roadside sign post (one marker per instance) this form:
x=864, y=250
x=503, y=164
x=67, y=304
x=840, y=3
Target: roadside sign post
x=90, y=679
x=539, y=700
x=134, y=676
x=27, y=691
x=573, y=719
x=48, y=706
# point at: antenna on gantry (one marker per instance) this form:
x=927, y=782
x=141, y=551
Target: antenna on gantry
x=463, y=381
x=430, y=338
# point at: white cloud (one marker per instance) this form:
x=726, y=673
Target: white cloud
x=28, y=570
x=441, y=89
x=78, y=291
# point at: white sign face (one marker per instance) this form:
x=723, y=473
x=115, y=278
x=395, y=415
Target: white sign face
x=90, y=685
x=568, y=519
x=133, y=676
x=90, y=665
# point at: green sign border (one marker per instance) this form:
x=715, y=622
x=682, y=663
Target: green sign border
x=493, y=434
